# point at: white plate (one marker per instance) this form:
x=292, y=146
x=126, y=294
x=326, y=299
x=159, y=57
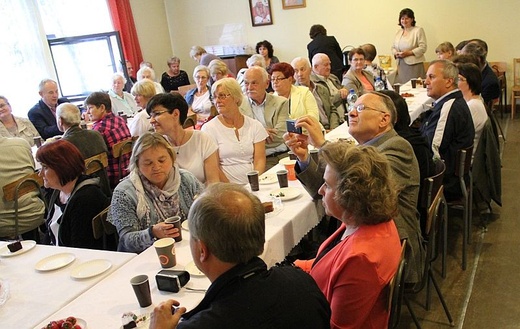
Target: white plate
x=193, y=269
x=289, y=193
x=89, y=269
x=55, y=262
x=185, y=226
x=266, y=179
x=26, y=246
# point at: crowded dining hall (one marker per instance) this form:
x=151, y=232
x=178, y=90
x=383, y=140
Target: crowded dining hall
x=286, y=168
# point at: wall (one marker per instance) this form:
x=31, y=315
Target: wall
x=190, y=22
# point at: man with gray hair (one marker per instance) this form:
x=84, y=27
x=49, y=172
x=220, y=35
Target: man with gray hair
x=321, y=74
x=227, y=228
x=329, y=116
x=448, y=126
x=89, y=142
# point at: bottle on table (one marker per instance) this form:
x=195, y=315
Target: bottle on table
x=379, y=84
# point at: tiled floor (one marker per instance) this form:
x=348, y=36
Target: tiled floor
x=487, y=293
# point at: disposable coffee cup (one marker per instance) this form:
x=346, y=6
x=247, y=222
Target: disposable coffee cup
x=252, y=177
x=292, y=156
x=165, y=249
x=142, y=290
x=37, y=141
x=397, y=87
x=314, y=155
x=176, y=221
x=414, y=83
x=282, y=178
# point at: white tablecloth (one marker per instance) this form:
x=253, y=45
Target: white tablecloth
x=417, y=104
x=34, y=295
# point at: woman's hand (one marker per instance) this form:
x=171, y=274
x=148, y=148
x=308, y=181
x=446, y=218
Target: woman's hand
x=164, y=230
x=166, y=315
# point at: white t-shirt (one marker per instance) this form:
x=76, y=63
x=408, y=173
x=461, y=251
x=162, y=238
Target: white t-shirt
x=202, y=105
x=140, y=124
x=479, y=116
x=236, y=156
x=192, y=154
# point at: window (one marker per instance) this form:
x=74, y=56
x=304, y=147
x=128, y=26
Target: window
x=26, y=58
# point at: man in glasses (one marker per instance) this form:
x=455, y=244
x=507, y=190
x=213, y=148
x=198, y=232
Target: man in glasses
x=371, y=122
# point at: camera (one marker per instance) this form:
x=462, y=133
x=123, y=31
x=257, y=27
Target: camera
x=171, y=280
x=291, y=127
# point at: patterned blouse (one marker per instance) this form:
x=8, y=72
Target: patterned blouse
x=170, y=83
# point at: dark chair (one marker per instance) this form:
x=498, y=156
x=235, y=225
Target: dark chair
x=396, y=291
x=102, y=229
x=463, y=170
x=435, y=214
x=96, y=166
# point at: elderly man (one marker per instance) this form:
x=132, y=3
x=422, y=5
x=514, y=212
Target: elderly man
x=321, y=75
x=227, y=227
x=329, y=117
x=89, y=142
x=272, y=112
x=371, y=123
x=43, y=114
x=448, y=126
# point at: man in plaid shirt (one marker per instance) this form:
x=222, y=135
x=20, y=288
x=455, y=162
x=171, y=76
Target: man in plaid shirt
x=112, y=127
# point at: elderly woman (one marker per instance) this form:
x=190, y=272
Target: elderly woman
x=218, y=70
x=265, y=48
x=12, y=126
x=196, y=151
x=356, y=263
x=301, y=100
x=174, y=77
x=470, y=84
x=78, y=196
x=356, y=77
x=146, y=72
x=409, y=48
x=155, y=190
x=240, y=139
x=254, y=60
x=199, y=98
x=121, y=100
x=142, y=91
x=200, y=55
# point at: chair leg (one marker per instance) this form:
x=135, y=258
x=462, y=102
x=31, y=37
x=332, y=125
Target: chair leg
x=470, y=207
x=499, y=125
x=443, y=302
x=465, y=235
x=412, y=313
x=444, y=240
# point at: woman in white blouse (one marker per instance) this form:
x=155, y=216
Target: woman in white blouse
x=196, y=151
x=240, y=139
x=199, y=98
x=409, y=48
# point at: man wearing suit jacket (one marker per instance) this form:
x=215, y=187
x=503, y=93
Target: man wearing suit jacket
x=328, y=113
x=371, y=123
x=272, y=112
x=321, y=74
x=321, y=43
x=43, y=114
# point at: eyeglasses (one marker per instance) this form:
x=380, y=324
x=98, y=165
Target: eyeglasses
x=221, y=96
x=200, y=78
x=361, y=107
x=277, y=79
x=156, y=114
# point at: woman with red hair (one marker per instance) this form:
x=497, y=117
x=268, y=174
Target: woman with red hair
x=78, y=196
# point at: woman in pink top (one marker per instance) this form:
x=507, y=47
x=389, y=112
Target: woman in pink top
x=356, y=77
x=355, y=264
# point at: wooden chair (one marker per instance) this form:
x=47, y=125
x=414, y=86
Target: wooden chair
x=96, y=166
x=14, y=190
x=435, y=213
x=102, y=229
x=500, y=69
x=184, y=89
x=190, y=121
x=515, y=89
x=462, y=170
x=119, y=149
x=396, y=291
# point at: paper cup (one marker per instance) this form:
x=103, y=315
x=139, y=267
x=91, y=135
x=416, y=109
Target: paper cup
x=142, y=290
x=176, y=221
x=165, y=249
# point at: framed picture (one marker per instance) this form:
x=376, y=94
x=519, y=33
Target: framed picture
x=260, y=12
x=291, y=4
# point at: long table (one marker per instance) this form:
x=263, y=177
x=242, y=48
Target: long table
x=34, y=295
x=419, y=103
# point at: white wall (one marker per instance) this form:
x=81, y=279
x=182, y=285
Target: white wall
x=351, y=22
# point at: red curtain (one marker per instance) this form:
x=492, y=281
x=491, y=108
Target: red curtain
x=123, y=20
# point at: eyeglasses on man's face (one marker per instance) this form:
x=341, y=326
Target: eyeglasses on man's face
x=361, y=107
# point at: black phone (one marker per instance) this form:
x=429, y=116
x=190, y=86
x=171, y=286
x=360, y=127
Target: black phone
x=171, y=280
x=291, y=127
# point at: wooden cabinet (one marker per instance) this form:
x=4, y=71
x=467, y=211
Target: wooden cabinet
x=235, y=62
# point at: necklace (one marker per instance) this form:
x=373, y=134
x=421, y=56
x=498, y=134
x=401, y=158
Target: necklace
x=180, y=144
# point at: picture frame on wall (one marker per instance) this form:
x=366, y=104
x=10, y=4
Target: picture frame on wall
x=261, y=12
x=292, y=4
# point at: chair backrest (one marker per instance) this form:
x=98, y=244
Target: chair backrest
x=432, y=184
x=396, y=290
x=101, y=228
x=516, y=71
x=121, y=148
x=463, y=161
x=96, y=166
x=184, y=89
x=190, y=121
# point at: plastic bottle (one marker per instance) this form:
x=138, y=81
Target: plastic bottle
x=379, y=84
x=351, y=99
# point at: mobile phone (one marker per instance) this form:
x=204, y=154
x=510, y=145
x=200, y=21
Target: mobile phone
x=291, y=127
x=171, y=280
